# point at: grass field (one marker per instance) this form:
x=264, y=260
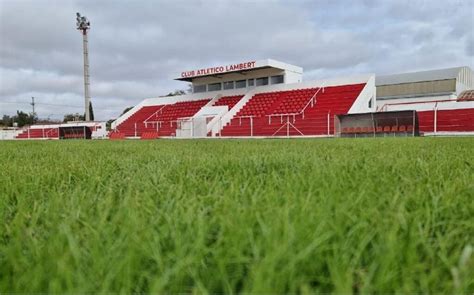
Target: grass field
x=228, y=216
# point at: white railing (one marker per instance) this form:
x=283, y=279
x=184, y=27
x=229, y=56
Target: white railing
x=227, y=117
x=154, y=114
x=288, y=124
x=240, y=122
x=251, y=126
x=385, y=106
x=310, y=102
x=50, y=131
x=159, y=124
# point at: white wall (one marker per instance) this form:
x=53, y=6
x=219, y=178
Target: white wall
x=292, y=77
x=361, y=105
x=9, y=134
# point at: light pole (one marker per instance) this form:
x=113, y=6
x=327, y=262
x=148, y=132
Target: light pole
x=83, y=25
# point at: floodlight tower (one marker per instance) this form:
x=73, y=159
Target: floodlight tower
x=83, y=25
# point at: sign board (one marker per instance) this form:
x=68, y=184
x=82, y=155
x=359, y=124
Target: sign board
x=219, y=70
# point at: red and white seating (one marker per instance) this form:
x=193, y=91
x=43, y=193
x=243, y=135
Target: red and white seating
x=115, y=135
x=161, y=119
x=467, y=95
x=133, y=126
x=37, y=133
x=229, y=101
x=265, y=114
x=456, y=120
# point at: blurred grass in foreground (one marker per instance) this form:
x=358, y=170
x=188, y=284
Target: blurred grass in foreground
x=227, y=216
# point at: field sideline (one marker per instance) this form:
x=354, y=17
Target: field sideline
x=227, y=216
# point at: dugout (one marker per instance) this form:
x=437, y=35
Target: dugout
x=75, y=132
x=381, y=124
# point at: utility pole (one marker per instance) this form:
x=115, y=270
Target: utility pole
x=33, y=104
x=83, y=25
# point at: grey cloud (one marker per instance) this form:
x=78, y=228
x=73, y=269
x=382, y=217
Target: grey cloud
x=137, y=46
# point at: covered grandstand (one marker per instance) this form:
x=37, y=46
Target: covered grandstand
x=257, y=99
x=268, y=98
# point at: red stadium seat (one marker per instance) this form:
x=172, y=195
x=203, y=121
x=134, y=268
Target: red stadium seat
x=116, y=135
x=150, y=135
x=288, y=105
x=159, y=118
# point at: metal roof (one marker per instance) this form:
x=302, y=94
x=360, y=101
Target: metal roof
x=433, y=75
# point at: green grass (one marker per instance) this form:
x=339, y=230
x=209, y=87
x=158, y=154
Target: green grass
x=228, y=216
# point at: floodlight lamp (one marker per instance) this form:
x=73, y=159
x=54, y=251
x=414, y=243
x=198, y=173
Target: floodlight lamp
x=82, y=22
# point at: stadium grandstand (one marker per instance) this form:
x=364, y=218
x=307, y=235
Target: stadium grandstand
x=269, y=98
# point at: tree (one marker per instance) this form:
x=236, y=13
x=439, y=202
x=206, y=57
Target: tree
x=91, y=111
x=126, y=110
x=176, y=93
x=108, y=125
x=22, y=118
x=73, y=117
x=7, y=121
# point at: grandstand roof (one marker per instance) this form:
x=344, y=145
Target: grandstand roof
x=432, y=75
x=237, y=68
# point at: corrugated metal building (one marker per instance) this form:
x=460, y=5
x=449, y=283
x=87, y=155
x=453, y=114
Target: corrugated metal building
x=434, y=84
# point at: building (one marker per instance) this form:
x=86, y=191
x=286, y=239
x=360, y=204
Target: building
x=254, y=98
x=439, y=98
x=269, y=98
x=69, y=130
x=422, y=87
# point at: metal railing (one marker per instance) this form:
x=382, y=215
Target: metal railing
x=50, y=131
x=288, y=124
x=251, y=122
x=310, y=102
x=154, y=114
x=260, y=127
x=385, y=106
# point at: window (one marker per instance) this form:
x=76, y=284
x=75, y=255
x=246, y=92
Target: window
x=251, y=82
x=199, y=88
x=262, y=81
x=370, y=103
x=276, y=79
x=240, y=84
x=214, y=87
x=229, y=85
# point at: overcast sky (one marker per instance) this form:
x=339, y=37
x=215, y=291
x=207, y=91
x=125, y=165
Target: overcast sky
x=138, y=47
